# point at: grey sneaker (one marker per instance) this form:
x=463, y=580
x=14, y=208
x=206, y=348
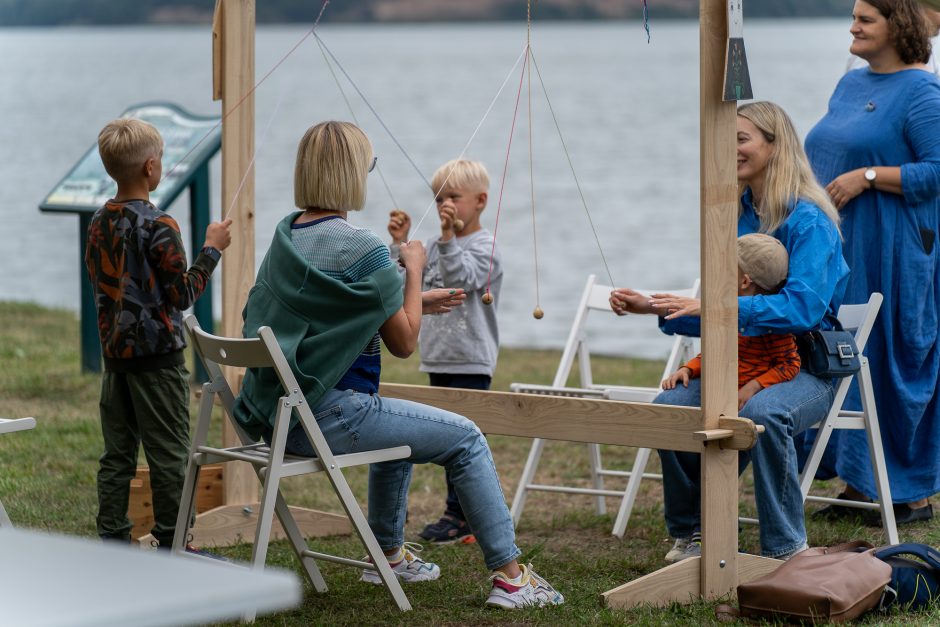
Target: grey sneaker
x=532, y=592
x=410, y=568
x=685, y=548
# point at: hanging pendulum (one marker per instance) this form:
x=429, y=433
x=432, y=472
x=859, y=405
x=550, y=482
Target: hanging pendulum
x=458, y=225
x=487, y=298
x=538, y=313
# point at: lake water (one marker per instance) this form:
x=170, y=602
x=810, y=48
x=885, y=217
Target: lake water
x=628, y=112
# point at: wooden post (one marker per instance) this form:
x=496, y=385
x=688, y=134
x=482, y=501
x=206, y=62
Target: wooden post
x=719, y=213
x=234, y=79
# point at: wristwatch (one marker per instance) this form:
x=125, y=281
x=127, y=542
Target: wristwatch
x=870, y=176
x=212, y=252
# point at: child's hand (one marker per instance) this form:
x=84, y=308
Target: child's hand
x=748, y=390
x=623, y=300
x=442, y=300
x=448, y=213
x=680, y=375
x=218, y=234
x=412, y=255
x=399, y=224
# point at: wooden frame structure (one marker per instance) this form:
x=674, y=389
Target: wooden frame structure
x=714, y=431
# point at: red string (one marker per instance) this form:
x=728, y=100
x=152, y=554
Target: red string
x=502, y=185
x=250, y=91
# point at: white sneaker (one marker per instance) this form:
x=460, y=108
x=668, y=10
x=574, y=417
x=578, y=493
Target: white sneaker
x=530, y=591
x=407, y=566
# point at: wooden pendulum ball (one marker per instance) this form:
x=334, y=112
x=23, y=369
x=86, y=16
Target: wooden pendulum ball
x=487, y=298
x=538, y=314
x=458, y=225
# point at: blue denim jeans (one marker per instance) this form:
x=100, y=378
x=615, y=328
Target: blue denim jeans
x=784, y=409
x=353, y=421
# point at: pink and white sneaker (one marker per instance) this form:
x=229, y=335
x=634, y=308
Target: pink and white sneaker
x=407, y=566
x=528, y=590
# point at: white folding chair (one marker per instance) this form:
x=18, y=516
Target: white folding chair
x=861, y=318
x=596, y=298
x=271, y=463
x=9, y=425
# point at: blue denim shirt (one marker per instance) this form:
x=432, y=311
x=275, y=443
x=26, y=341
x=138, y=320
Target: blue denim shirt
x=815, y=284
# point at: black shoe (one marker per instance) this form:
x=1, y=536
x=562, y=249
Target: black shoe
x=903, y=515
x=839, y=512
x=448, y=529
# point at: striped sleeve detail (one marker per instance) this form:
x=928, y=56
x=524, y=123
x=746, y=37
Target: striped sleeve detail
x=769, y=359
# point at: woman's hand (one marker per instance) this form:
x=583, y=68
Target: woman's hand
x=623, y=300
x=847, y=186
x=412, y=255
x=442, y=300
x=679, y=376
x=671, y=306
x=399, y=223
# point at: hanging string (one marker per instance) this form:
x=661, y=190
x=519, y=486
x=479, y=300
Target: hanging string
x=372, y=109
x=250, y=91
x=258, y=145
x=535, y=242
x=472, y=137
x=646, y=20
x=571, y=165
x=352, y=113
x=502, y=185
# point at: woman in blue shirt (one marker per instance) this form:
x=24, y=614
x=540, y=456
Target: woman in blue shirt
x=780, y=197
x=878, y=152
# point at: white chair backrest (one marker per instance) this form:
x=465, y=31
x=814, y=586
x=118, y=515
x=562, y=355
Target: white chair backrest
x=596, y=297
x=861, y=318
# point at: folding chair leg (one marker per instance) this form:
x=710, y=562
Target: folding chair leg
x=633, y=488
x=4, y=519
x=187, y=503
x=299, y=543
x=597, y=479
x=361, y=525
x=528, y=474
x=873, y=431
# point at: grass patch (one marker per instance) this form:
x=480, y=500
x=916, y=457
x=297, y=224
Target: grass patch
x=47, y=481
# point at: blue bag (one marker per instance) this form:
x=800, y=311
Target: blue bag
x=915, y=584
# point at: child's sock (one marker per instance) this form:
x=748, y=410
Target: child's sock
x=397, y=557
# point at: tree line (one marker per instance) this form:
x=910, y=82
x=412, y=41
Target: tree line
x=117, y=12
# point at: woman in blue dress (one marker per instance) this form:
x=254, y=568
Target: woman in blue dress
x=877, y=151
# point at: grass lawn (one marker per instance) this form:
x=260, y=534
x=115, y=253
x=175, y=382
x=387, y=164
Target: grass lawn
x=47, y=481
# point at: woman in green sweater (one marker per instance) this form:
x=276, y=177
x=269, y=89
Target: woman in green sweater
x=332, y=295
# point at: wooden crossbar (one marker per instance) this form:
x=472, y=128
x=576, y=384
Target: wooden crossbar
x=588, y=420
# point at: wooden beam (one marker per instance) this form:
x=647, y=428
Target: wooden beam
x=238, y=138
x=563, y=418
x=676, y=583
x=719, y=215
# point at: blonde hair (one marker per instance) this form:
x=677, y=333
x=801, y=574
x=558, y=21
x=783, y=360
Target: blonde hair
x=765, y=260
x=789, y=177
x=125, y=145
x=333, y=160
x=461, y=174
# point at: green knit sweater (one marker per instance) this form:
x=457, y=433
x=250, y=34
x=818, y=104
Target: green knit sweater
x=321, y=324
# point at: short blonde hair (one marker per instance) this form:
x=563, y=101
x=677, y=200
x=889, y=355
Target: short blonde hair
x=333, y=161
x=461, y=174
x=125, y=145
x=765, y=260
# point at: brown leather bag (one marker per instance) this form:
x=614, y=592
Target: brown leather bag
x=832, y=584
